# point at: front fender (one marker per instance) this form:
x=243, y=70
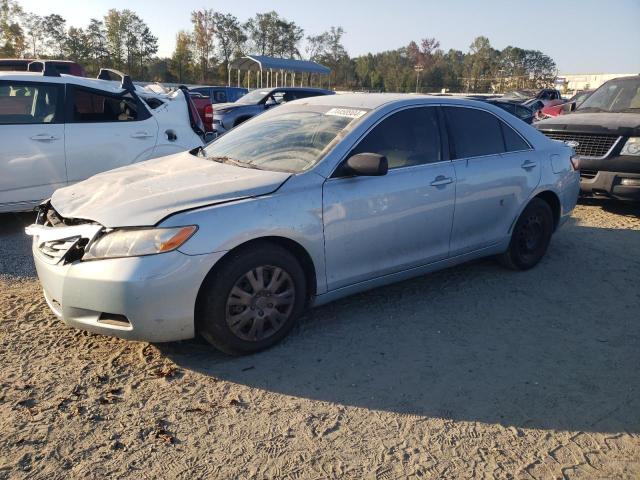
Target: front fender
x=293, y=212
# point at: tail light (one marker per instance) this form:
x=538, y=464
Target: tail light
x=208, y=113
x=575, y=162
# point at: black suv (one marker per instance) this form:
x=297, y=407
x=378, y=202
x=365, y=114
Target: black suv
x=605, y=132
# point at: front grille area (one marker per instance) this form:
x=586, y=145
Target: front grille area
x=596, y=146
x=56, y=249
x=588, y=174
x=72, y=239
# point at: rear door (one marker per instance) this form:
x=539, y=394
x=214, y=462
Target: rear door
x=496, y=172
x=32, y=158
x=105, y=131
x=375, y=226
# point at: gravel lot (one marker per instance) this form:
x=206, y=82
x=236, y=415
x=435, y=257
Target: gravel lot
x=471, y=372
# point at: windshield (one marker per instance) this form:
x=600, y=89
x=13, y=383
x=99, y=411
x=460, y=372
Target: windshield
x=617, y=96
x=291, y=138
x=254, y=97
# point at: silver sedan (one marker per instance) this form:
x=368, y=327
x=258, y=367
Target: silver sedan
x=312, y=201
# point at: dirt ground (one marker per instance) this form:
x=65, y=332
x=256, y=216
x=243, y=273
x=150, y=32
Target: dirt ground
x=473, y=372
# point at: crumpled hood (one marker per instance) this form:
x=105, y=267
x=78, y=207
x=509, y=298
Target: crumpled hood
x=145, y=193
x=602, y=123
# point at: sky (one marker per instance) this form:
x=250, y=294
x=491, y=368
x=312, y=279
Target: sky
x=582, y=36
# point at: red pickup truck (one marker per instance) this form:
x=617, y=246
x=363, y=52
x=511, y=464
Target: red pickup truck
x=205, y=110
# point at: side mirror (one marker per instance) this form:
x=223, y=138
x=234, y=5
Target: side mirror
x=367, y=165
x=568, y=107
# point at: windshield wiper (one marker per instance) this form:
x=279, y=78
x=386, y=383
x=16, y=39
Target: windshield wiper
x=231, y=161
x=628, y=109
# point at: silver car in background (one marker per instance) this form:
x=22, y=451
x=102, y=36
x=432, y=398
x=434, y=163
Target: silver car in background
x=229, y=115
x=315, y=200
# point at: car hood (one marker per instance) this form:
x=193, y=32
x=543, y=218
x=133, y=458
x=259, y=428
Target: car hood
x=144, y=193
x=603, y=123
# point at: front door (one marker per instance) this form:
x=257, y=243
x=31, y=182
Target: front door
x=32, y=158
x=375, y=226
x=106, y=131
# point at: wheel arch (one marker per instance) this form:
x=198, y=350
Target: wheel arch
x=295, y=248
x=553, y=201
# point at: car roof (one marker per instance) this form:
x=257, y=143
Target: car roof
x=376, y=100
x=107, y=85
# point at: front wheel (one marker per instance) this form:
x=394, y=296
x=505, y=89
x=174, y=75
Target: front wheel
x=531, y=236
x=252, y=300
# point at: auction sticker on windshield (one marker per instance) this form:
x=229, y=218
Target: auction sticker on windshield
x=346, y=112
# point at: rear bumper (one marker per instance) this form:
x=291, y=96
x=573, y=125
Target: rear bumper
x=156, y=294
x=610, y=184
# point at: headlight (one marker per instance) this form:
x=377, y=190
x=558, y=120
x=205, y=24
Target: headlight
x=135, y=242
x=631, y=147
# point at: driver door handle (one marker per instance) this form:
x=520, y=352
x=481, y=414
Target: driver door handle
x=441, y=180
x=44, y=137
x=528, y=165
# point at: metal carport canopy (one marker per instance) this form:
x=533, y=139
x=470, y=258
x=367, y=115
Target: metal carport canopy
x=262, y=62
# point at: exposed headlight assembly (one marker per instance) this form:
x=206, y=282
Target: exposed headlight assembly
x=631, y=147
x=135, y=242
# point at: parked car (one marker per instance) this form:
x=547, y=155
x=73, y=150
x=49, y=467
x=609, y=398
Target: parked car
x=220, y=94
x=229, y=115
x=605, y=132
x=566, y=107
x=204, y=97
x=22, y=65
x=548, y=96
x=312, y=201
x=56, y=130
x=517, y=109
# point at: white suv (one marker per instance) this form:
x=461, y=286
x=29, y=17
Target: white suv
x=56, y=130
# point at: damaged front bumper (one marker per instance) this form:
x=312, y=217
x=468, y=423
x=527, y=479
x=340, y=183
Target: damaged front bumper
x=150, y=298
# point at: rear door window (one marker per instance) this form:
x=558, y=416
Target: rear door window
x=474, y=133
x=92, y=107
x=29, y=103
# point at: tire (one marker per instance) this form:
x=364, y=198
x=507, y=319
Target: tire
x=252, y=300
x=530, y=238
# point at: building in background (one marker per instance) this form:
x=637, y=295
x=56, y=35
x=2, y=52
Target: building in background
x=585, y=81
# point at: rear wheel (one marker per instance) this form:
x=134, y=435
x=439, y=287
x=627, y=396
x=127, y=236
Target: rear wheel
x=531, y=236
x=252, y=301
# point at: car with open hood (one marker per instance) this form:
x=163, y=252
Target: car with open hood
x=605, y=132
x=350, y=192
x=58, y=129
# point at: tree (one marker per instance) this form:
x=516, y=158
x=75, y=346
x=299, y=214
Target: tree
x=272, y=35
x=114, y=35
x=230, y=37
x=181, y=60
x=12, y=41
x=97, y=44
x=76, y=45
x=203, y=37
x=55, y=34
x=34, y=35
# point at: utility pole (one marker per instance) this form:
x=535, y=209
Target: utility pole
x=418, y=69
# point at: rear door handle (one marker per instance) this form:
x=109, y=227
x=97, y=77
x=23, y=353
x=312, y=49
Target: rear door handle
x=441, y=180
x=528, y=165
x=43, y=137
x=141, y=135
